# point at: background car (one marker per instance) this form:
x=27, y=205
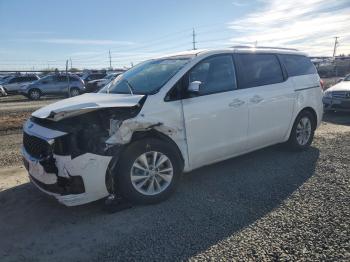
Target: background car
x=56, y=84
x=2, y=91
x=337, y=97
x=96, y=85
x=93, y=76
x=13, y=84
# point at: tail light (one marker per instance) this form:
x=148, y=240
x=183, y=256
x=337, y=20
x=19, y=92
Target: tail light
x=322, y=84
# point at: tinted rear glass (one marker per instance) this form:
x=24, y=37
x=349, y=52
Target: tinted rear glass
x=258, y=70
x=298, y=65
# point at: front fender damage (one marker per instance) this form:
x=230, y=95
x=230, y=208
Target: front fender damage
x=122, y=131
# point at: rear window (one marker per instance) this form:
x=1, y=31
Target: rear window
x=297, y=65
x=258, y=70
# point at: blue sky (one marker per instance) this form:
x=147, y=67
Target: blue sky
x=38, y=33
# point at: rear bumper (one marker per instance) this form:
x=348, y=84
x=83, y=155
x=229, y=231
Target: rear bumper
x=336, y=104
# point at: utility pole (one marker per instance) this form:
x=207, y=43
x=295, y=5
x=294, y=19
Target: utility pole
x=194, y=39
x=335, y=46
x=70, y=59
x=110, y=60
x=68, y=84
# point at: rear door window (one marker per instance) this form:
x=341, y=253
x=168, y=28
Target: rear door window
x=258, y=70
x=32, y=78
x=297, y=65
x=62, y=78
x=28, y=79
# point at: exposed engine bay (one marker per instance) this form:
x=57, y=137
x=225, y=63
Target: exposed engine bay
x=87, y=132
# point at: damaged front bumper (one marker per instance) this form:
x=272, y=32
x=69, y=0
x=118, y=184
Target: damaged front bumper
x=71, y=180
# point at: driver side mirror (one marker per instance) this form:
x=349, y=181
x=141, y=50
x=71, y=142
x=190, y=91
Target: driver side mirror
x=194, y=86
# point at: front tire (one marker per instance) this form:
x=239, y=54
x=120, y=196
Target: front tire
x=149, y=171
x=303, y=131
x=34, y=94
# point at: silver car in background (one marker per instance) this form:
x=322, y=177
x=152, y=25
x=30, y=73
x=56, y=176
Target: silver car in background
x=12, y=85
x=56, y=84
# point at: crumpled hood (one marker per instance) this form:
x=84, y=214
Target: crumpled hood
x=85, y=103
x=342, y=86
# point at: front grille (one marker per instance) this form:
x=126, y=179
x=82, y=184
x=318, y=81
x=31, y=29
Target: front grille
x=35, y=146
x=341, y=94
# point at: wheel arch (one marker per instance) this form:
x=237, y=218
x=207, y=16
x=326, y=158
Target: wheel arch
x=309, y=109
x=312, y=111
x=158, y=135
x=138, y=135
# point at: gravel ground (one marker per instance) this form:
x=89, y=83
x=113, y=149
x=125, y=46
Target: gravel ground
x=14, y=110
x=10, y=149
x=268, y=205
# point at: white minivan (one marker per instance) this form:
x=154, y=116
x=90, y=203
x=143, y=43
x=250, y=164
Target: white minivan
x=171, y=115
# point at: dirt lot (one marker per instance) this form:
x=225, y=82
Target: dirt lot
x=268, y=205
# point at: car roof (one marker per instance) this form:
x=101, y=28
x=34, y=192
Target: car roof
x=235, y=49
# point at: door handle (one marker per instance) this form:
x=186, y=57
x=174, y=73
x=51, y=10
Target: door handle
x=256, y=99
x=236, y=103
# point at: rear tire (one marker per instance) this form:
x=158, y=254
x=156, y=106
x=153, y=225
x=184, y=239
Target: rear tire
x=149, y=171
x=303, y=131
x=34, y=94
x=74, y=92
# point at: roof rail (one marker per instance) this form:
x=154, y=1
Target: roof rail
x=264, y=47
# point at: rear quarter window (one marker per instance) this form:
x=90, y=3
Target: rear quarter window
x=297, y=65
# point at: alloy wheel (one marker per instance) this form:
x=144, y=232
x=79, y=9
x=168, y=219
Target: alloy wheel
x=151, y=173
x=303, y=131
x=74, y=92
x=34, y=94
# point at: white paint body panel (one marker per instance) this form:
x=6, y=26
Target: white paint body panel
x=216, y=126
x=92, y=168
x=270, y=113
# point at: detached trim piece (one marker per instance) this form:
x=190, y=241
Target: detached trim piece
x=306, y=88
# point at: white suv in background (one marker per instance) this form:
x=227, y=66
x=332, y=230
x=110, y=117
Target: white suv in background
x=171, y=115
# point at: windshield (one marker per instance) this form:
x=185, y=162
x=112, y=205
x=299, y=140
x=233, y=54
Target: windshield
x=147, y=77
x=44, y=78
x=347, y=78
